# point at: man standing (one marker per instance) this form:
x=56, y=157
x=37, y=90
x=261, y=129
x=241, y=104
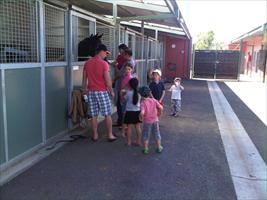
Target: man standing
x=97, y=81
x=248, y=60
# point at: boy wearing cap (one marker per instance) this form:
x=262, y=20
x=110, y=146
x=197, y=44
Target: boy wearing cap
x=149, y=109
x=156, y=86
x=176, y=90
x=97, y=84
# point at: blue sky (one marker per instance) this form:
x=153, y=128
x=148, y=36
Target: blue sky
x=228, y=19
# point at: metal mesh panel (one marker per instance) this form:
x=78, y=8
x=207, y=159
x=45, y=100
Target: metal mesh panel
x=160, y=54
x=18, y=35
x=138, y=47
x=122, y=36
x=130, y=42
x=153, y=49
x=54, y=34
x=83, y=29
x=159, y=50
x=141, y=72
x=149, y=48
x=108, y=38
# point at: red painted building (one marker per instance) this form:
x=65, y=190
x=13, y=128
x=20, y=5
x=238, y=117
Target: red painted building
x=253, y=47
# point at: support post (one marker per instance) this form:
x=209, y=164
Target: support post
x=143, y=50
x=69, y=59
x=117, y=29
x=42, y=60
x=240, y=60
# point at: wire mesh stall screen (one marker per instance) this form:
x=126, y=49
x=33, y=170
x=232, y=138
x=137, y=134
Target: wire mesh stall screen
x=160, y=53
x=54, y=34
x=130, y=42
x=141, y=72
x=81, y=29
x=138, y=47
x=18, y=31
x=108, y=38
x=122, y=35
x=152, y=49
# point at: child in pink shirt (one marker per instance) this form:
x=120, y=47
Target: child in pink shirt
x=124, y=87
x=126, y=76
x=149, y=109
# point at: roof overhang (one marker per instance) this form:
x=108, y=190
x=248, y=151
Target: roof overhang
x=163, y=12
x=256, y=32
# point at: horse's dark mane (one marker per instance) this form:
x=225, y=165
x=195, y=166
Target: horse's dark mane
x=87, y=46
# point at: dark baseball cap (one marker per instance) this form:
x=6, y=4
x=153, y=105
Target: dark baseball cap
x=123, y=46
x=144, y=91
x=102, y=47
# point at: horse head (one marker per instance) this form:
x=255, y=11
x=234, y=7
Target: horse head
x=87, y=46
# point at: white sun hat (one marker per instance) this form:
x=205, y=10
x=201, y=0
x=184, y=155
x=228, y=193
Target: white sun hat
x=157, y=71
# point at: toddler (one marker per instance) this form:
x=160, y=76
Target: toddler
x=176, y=90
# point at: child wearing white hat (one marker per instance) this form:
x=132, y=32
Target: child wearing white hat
x=157, y=87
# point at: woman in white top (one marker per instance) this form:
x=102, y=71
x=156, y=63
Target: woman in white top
x=132, y=112
x=176, y=99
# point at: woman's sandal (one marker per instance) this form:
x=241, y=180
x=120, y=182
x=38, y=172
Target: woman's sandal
x=136, y=144
x=94, y=139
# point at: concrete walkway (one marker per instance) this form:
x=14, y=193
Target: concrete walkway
x=193, y=165
x=253, y=94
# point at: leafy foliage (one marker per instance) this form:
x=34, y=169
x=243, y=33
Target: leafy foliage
x=205, y=41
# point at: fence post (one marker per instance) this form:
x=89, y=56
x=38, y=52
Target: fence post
x=193, y=63
x=265, y=49
x=215, y=64
x=240, y=60
x=142, y=48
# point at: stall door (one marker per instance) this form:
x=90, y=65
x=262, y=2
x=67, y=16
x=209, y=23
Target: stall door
x=175, y=58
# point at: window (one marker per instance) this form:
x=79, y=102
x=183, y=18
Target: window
x=108, y=38
x=18, y=31
x=82, y=28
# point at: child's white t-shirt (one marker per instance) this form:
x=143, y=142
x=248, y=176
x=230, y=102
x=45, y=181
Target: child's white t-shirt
x=176, y=92
x=129, y=105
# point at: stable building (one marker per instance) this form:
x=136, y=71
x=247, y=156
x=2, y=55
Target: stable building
x=253, y=53
x=40, y=62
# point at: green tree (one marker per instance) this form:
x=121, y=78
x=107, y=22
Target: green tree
x=205, y=40
x=219, y=45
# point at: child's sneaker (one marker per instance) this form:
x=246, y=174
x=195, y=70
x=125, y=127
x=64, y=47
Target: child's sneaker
x=176, y=114
x=145, y=151
x=159, y=149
